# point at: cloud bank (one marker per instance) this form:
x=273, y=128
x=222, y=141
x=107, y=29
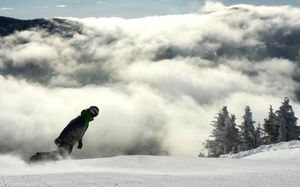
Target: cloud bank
x=159, y=81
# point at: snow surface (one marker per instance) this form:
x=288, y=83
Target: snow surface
x=276, y=165
x=280, y=151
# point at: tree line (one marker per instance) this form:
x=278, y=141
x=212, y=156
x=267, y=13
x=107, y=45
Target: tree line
x=228, y=137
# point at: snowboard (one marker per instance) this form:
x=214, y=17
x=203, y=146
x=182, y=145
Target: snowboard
x=45, y=156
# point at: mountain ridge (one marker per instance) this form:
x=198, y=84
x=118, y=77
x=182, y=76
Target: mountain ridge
x=64, y=27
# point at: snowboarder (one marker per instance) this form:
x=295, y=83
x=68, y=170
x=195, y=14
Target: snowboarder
x=71, y=134
x=74, y=131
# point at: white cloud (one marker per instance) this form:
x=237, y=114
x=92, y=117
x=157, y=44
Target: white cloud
x=6, y=9
x=33, y=53
x=43, y=7
x=61, y=6
x=211, y=6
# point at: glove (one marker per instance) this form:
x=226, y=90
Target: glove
x=79, y=145
x=57, y=141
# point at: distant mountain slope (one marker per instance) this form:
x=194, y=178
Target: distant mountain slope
x=63, y=27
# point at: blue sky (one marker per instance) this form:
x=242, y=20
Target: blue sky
x=112, y=8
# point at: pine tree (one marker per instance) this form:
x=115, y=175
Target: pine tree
x=215, y=143
x=234, y=139
x=282, y=131
x=214, y=149
x=288, y=128
x=225, y=135
x=248, y=130
x=271, y=127
x=258, y=139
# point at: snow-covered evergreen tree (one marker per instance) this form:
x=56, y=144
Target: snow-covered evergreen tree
x=248, y=130
x=258, y=139
x=288, y=122
x=215, y=143
x=231, y=135
x=271, y=128
x=225, y=135
x=282, y=131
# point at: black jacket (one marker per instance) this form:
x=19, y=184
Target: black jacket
x=75, y=130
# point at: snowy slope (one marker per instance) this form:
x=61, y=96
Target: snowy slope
x=134, y=171
x=280, y=151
